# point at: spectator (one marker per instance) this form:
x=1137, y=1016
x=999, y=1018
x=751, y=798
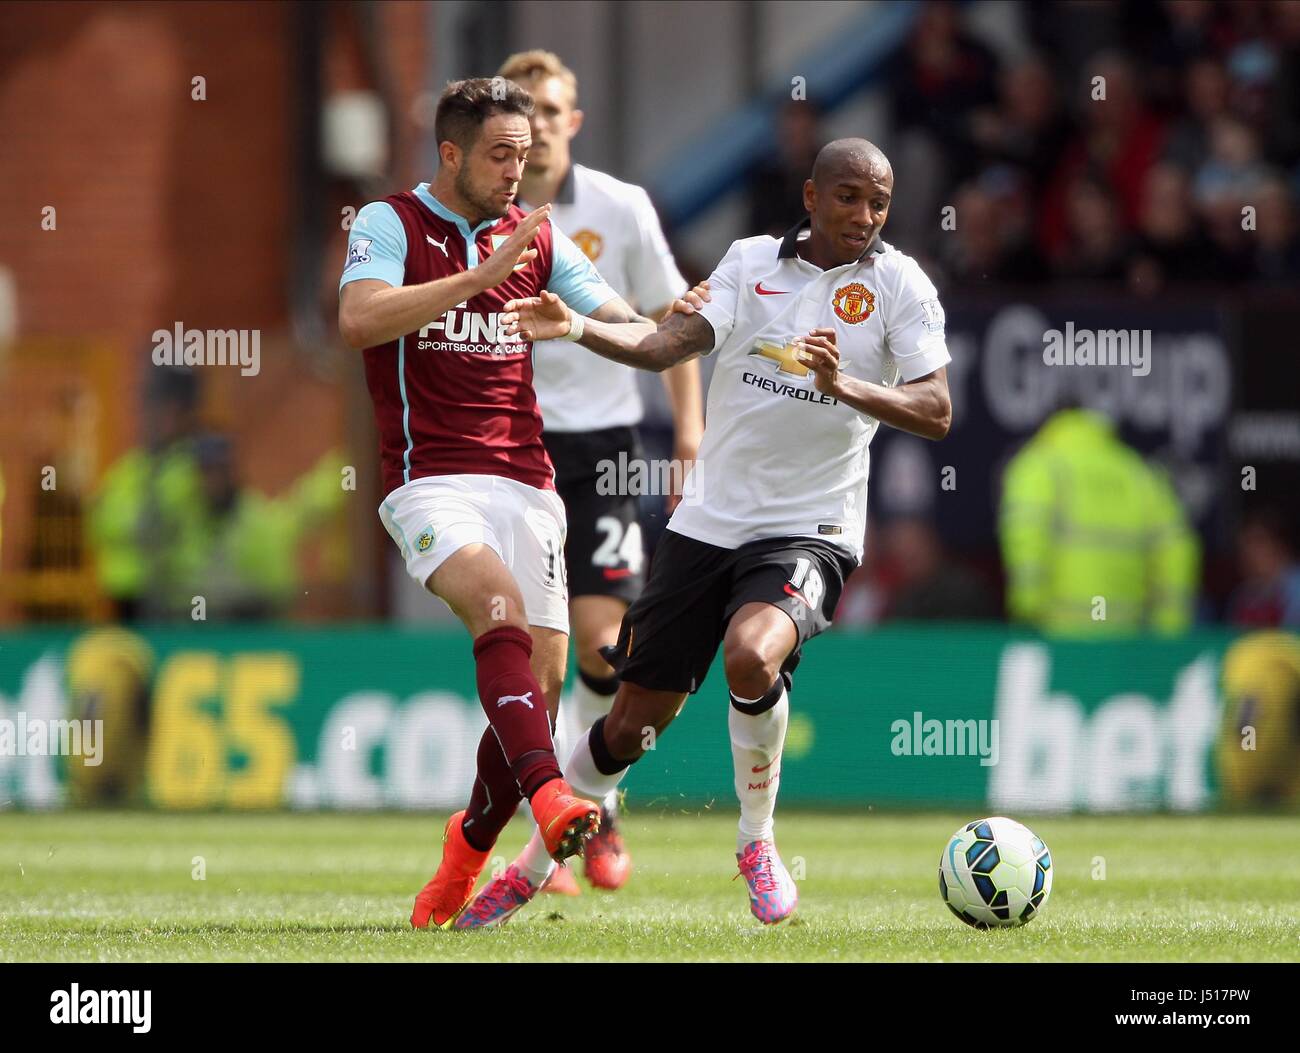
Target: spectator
x=990, y=242
x=146, y=498
x=241, y=553
x=1171, y=37
x=868, y=590
x=1094, y=541
x=1170, y=245
x=1205, y=86
x=1028, y=130
x=1277, y=252
x=944, y=77
x=1269, y=595
x=1283, y=119
x=1225, y=183
x=776, y=186
x=1097, y=248
x=942, y=81
x=1120, y=142
x=930, y=585
x=1233, y=166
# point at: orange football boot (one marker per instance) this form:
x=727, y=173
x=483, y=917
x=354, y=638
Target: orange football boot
x=606, y=862
x=562, y=883
x=565, y=821
x=448, y=891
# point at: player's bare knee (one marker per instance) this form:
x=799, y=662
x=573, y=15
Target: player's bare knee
x=594, y=665
x=494, y=610
x=587, y=647
x=479, y=626
x=750, y=669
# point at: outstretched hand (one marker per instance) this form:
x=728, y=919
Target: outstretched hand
x=543, y=317
x=514, y=251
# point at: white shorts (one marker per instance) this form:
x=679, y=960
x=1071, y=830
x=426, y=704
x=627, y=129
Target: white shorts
x=432, y=518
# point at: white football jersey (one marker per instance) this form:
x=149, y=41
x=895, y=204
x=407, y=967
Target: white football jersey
x=778, y=457
x=615, y=224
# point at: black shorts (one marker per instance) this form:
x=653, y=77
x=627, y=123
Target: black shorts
x=671, y=634
x=604, y=551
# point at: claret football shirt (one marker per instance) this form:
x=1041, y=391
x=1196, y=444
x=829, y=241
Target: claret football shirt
x=456, y=395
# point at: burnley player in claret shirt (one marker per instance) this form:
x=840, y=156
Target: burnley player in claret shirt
x=470, y=498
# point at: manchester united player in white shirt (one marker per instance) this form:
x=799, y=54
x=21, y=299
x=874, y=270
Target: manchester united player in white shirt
x=590, y=408
x=819, y=338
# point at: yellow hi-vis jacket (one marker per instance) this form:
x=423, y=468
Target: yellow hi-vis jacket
x=1094, y=541
x=144, y=503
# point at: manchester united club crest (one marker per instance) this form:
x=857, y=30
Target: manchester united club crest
x=590, y=243
x=854, y=303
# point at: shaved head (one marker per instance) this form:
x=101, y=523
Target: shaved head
x=851, y=159
x=848, y=199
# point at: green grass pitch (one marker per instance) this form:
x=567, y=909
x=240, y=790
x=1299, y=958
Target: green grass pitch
x=319, y=887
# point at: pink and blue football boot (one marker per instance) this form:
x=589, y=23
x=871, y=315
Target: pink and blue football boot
x=772, y=891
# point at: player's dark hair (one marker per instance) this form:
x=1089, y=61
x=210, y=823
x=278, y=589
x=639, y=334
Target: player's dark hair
x=466, y=104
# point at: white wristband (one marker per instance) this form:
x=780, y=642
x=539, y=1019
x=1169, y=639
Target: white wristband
x=576, y=325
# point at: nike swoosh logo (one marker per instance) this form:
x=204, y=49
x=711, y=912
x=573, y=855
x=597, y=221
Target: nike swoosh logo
x=770, y=292
x=763, y=768
x=791, y=591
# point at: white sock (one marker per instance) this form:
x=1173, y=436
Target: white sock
x=756, y=743
x=589, y=707
x=564, y=734
x=583, y=775
x=534, y=860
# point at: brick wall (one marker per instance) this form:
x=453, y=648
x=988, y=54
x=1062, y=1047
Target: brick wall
x=171, y=209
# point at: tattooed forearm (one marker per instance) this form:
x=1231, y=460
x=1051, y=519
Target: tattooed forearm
x=638, y=342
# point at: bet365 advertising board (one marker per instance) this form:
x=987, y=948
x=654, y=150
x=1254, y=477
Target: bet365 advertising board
x=379, y=717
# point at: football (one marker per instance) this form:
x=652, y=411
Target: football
x=995, y=873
